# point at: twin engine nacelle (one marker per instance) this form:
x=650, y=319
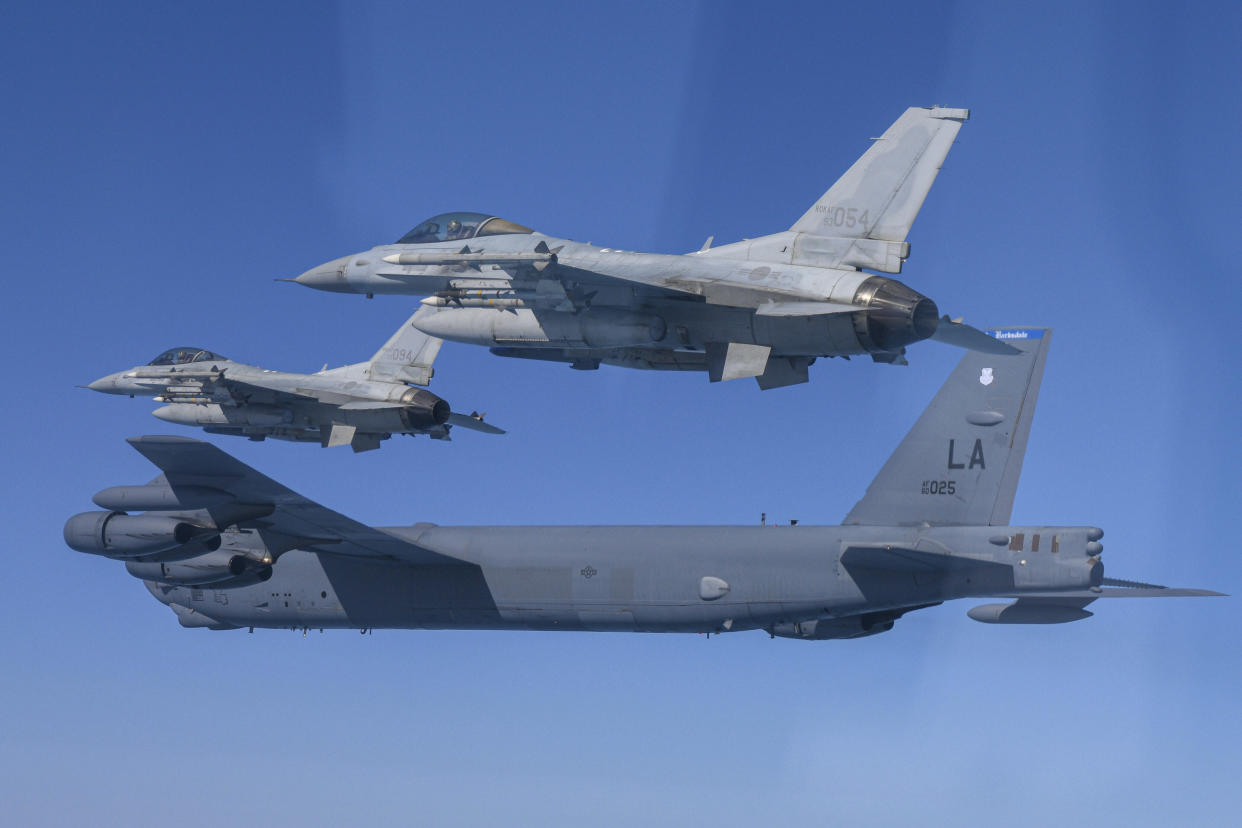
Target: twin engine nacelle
x=221, y=570
x=122, y=536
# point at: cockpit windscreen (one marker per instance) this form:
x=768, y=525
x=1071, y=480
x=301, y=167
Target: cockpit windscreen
x=455, y=226
x=180, y=356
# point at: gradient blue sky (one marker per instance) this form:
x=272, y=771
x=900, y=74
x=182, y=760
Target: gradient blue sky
x=162, y=163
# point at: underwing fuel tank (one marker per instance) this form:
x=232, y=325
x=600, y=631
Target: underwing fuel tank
x=196, y=414
x=594, y=328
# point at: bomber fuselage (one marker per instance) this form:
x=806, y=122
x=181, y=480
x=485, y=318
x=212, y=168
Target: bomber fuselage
x=650, y=579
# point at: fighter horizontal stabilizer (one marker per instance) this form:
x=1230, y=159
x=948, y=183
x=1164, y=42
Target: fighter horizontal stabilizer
x=961, y=335
x=474, y=422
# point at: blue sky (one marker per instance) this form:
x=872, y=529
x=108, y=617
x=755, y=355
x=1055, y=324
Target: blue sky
x=163, y=164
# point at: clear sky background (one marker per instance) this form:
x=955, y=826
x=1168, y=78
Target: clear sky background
x=161, y=164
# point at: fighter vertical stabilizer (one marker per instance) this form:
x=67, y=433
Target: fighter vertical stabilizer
x=879, y=196
x=407, y=356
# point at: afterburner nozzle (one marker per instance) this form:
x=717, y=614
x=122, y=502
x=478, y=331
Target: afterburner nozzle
x=896, y=315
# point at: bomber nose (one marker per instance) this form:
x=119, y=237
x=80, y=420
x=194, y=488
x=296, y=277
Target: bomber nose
x=328, y=276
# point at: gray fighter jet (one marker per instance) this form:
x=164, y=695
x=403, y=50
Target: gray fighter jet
x=764, y=307
x=357, y=405
x=225, y=547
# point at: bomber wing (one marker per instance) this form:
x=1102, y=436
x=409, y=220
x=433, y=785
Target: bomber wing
x=297, y=521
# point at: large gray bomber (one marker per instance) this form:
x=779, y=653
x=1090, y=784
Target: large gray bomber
x=225, y=547
x=765, y=307
x=357, y=405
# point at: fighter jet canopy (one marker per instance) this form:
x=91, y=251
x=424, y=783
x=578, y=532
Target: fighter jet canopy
x=180, y=356
x=453, y=226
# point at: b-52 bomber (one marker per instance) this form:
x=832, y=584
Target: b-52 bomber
x=765, y=307
x=225, y=547
x=356, y=405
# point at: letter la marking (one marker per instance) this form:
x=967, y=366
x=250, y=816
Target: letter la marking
x=976, y=457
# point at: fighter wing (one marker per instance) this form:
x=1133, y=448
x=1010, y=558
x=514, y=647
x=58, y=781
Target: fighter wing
x=192, y=465
x=280, y=389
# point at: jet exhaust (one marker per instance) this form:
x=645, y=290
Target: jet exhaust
x=896, y=316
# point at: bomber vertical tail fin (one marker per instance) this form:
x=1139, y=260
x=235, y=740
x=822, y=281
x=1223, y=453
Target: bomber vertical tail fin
x=880, y=195
x=960, y=463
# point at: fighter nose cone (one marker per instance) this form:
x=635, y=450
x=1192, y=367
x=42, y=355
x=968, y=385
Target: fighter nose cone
x=327, y=276
x=107, y=385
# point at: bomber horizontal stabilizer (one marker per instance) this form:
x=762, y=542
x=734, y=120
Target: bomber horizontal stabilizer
x=1123, y=592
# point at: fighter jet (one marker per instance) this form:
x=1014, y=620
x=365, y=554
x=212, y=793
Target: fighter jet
x=357, y=405
x=225, y=547
x=765, y=307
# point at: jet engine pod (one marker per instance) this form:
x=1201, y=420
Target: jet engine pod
x=221, y=570
x=895, y=315
x=118, y=535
